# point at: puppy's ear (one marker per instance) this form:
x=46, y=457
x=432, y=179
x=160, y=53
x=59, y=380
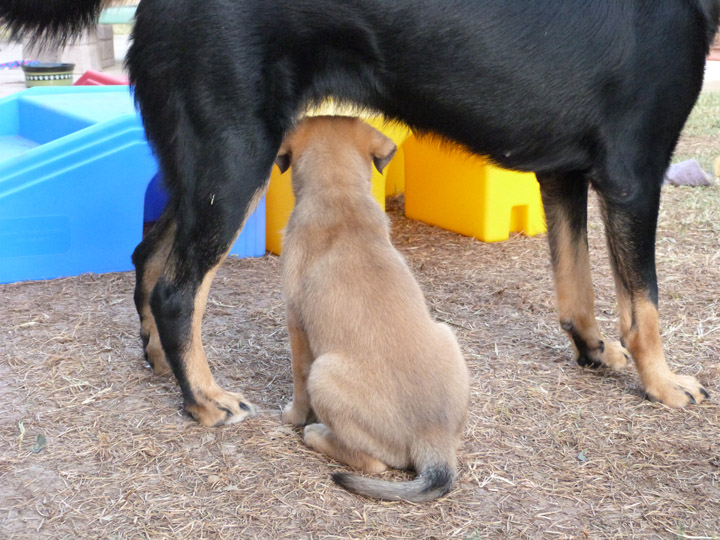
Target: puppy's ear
x=283, y=158
x=383, y=151
x=283, y=162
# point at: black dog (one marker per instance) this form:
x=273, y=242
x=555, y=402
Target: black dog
x=583, y=93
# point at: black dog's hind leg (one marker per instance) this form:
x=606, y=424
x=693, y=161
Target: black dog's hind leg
x=149, y=259
x=565, y=202
x=630, y=225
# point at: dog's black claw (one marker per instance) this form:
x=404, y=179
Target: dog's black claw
x=704, y=392
x=228, y=412
x=244, y=406
x=651, y=398
x=692, y=399
x=585, y=361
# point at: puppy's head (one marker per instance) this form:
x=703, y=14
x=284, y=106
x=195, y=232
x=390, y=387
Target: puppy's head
x=333, y=143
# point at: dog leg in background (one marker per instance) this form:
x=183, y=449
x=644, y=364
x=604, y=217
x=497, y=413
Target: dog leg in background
x=298, y=411
x=565, y=201
x=149, y=259
x=630, y=227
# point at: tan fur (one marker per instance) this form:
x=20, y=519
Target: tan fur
x=389, y=385
x=644, y=342
x=198, y=369
x=624, y=308
x=213, y=406
x=640, y=325
x=576, y=300
x=152, y=271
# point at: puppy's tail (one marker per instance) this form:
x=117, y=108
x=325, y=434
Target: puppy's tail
x=432, y=482
x=49, y=20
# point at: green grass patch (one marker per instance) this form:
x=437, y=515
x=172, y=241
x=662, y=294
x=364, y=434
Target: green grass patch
x=700, y=139
x=704, y=120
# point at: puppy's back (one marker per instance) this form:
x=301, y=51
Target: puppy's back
x=401, y=373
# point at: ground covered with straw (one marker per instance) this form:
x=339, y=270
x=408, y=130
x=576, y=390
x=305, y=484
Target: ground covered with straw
x=93, y=445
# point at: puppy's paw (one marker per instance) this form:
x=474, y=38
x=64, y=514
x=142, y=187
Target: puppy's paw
x=218, y=407
x=315, y=436
x=297, y=416
x=676, y=390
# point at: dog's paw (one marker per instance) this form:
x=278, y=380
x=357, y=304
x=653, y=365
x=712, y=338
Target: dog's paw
x=315, y=436
x=608, y=354
x=294, y=415
x=676, y=390
x=218, y=407
x=154, y=353
x=158, y=362
x=615, y=356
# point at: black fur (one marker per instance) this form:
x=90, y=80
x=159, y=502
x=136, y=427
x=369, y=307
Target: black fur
x=565, y=202
x=710, y=11
x=172, y=309
x=48, y=20
x=594, y=92
x=584, y=358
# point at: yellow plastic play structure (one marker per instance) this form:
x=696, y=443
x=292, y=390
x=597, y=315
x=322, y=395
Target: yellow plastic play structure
x=458, y=191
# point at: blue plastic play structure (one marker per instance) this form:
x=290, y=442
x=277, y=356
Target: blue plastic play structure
x=74, y=173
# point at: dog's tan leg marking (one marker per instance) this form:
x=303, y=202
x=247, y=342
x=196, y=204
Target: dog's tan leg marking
x=298, y=410
x=624, y=301
x=644, y=342
x=153, y=269
x=576, y=303
x=636, y=286
x=321, y=438
x=212, y=406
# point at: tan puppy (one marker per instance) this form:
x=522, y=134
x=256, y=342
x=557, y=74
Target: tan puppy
x=389, y=385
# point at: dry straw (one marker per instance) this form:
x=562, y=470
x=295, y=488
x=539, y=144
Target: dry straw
x=551, y=450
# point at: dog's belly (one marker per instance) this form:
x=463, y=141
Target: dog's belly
x=537, y=86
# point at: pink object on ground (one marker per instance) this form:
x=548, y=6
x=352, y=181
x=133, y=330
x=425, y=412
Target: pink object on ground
x=95, y=78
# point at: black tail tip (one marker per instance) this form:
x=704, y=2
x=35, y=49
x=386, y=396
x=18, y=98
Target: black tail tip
x=439, y=478
x=341, y=479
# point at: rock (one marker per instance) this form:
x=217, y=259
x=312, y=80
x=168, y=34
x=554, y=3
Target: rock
x=688, y=173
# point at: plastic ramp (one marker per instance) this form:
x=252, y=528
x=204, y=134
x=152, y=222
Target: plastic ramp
x=74, y=172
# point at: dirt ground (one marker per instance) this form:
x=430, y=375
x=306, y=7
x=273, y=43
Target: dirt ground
x=93, y=445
